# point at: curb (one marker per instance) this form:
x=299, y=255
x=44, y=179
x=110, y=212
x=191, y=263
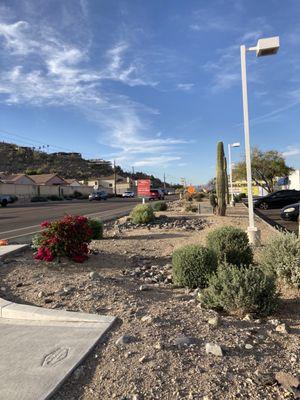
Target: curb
x=15, y=250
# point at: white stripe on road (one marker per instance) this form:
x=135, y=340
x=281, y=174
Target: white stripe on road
x=36, y=226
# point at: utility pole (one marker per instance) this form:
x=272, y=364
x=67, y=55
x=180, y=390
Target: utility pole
x=164, y=180
x=115, y=179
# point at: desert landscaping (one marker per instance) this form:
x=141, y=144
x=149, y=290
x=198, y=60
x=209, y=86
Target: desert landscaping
x=165, y=343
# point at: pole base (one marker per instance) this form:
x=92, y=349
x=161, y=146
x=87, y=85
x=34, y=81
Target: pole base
x=254, y=236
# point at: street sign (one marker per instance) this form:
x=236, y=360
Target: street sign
x=143, y=188
x=191, y=189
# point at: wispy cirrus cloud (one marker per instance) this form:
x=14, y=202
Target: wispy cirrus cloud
x=186, y=87
x=43, y=69
x=292, y=151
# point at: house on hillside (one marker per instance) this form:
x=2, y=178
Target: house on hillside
x=108, y=183
x=48, y=179
x=73, y=182
x=18, y=179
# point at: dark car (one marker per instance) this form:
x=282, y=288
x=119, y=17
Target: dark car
x=290, y=212
x=156, y=194
x=7, y=199
x=277, y=199
x=98, y=196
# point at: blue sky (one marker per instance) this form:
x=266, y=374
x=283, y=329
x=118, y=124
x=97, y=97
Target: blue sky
x=154, y=84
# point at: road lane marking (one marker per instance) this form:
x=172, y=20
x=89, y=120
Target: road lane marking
x=114, y=211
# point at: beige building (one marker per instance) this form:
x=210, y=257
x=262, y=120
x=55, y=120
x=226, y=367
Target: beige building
x=107, y=183
x=48, y=179
x=18, y=179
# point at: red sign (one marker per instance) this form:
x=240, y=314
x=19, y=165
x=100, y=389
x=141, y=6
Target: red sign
x=143, y=187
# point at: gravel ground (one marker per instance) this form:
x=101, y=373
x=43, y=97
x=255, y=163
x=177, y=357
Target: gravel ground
x=156, y=349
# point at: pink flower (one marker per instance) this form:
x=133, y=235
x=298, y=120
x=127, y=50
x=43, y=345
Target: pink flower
x=45, y=224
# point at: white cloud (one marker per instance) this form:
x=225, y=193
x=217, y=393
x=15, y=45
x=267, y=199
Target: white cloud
x=154, y=161
x=43, y=69
x=186, y=87
x=292, y=151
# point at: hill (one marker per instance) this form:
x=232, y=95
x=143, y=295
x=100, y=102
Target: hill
x=20, y=159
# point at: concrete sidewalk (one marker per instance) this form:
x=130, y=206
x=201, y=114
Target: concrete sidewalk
x=40, y=348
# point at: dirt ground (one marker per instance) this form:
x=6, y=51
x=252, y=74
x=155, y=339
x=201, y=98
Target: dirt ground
x=152, y=365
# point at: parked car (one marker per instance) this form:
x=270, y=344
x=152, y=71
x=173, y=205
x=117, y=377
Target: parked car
x=128, y=194
x=98, y=196
x=290, y=212
x=277, y=199
x=156, y=194
x=7, y=199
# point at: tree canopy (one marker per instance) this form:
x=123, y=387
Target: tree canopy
x=266, y=168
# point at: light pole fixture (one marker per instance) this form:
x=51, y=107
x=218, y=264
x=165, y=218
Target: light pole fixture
x=230, y=170
x=264, y=47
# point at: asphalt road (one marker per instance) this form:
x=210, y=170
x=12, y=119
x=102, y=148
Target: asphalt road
x=272, y=216
x=20, y=220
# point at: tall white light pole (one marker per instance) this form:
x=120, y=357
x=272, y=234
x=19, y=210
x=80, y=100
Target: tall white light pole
x=264, y=47
x=230, y=169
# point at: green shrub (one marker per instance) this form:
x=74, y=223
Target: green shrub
x=231, y=245
x=238, y=197
x=77, y=194
x=142, y=214
x=241, y=290
x=198, y=196
x=97, y=228
x=282, y=256
x=160, y=206
x=213, y=200
x=54, y=197
x=37, y=199
x=192, y=266
x=188, y=196
x=191, y=207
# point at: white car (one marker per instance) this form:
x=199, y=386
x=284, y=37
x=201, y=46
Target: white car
x=128, y=194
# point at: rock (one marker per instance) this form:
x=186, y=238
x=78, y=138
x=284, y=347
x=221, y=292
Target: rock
x=282, y=328
x=147, y=318
x=274, y=322
x=136, y=397
x=48, y=301
x=3, y=289
x=124, y=339
x=215, y=349
x=143, y=288
x=41, y=294
x=78, y=372
x=248, y=317
x=143, y=359
x=159, y=346
x=214, y=321
x=248, y=346
x=94, y=276
x=288, y=381
x=184, y=341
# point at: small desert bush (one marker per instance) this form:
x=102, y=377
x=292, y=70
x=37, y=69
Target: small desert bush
x=38, y=199
x=231, y=245
x=191, y=207
x=142, y=214
x=198, y=196
x=282, y=256
x=96, y=227
x=192, y=266
x=213, y=200
x=240, y=290
x=160, y=206
x=188, y=196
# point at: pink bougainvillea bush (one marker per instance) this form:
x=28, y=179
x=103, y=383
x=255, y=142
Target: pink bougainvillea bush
x=67, y=237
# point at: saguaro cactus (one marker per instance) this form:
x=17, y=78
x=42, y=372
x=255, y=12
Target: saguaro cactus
x=220, y=181
x=226, y=181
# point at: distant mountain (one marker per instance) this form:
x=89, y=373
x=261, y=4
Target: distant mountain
x=19, y=159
